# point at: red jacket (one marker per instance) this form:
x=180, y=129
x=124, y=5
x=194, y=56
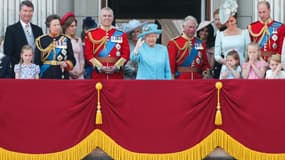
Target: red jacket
x=116, y=47
x=183, y=66
x=269, y=36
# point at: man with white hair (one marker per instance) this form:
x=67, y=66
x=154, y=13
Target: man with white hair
x=187, y=54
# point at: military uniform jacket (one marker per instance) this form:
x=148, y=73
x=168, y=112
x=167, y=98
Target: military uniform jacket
x=188, y=58
x=50, y=52
x=106, y=48
x=269, y=36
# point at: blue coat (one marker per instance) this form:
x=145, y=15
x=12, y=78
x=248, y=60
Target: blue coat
x=153, y=62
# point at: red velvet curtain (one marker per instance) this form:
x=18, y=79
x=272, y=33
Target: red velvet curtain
x=47, y=116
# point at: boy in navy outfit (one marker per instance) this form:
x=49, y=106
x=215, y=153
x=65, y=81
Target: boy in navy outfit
x=5, y=65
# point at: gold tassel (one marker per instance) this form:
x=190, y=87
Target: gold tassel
x=218, y=117
x=99, y=120
x=99, y=117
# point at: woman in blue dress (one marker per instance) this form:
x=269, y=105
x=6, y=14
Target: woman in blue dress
x=152, y=58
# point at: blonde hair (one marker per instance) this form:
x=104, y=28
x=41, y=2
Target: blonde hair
x=25, y=48
x=253, y=44
x=275, y=57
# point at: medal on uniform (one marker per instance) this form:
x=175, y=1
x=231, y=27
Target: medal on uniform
x=116, y=39
x=199, y=54
x=118, y=47
x=274, y=45
x=59, y=58
x=274, y=38
x=198, y=60
x=118, y=53
x=198, y=46
x=64, y=45
x=63, y=52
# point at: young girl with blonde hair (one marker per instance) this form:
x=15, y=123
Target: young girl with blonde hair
x=26, y=69
x=255, y=66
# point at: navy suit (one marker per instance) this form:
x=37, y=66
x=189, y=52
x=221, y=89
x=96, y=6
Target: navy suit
x=15, y=39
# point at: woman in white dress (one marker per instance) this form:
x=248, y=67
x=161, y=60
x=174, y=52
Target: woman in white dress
x=233, y=37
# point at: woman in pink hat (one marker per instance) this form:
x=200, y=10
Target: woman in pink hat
x=69, y=27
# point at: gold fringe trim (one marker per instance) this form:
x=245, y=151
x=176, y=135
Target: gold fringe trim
x=99, y=139
x=241, y=152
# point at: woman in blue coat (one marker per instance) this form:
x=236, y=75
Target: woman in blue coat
x=152, y=58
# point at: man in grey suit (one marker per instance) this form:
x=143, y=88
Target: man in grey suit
x=21, y=33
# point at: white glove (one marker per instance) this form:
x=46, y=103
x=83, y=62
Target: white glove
x=138, y=45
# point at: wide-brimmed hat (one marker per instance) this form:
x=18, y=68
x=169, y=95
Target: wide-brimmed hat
x=132, y=25
x=66, y=16
x=203, y=25
x=148, y=29
x=227, y=9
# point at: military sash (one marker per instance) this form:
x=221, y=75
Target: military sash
x=110, y=44
x=189, y=59
x=264, y=39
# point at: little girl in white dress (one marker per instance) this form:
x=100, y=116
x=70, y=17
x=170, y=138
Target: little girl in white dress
x=26, y=69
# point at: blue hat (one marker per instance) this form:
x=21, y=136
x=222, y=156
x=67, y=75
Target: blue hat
x=88, y=22
x=148, y=29
x=133, y=24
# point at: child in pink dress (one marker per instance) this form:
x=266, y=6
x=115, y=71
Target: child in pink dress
x=254, y=66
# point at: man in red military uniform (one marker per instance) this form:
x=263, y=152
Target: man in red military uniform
x=187, y=54
x=268, y=33
x=106, y=48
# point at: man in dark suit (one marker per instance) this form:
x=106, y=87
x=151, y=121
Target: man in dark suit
x=21, y=33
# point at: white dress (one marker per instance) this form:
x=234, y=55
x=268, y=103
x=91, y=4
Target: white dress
x=225, y=43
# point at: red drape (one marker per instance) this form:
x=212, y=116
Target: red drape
x=46, y=116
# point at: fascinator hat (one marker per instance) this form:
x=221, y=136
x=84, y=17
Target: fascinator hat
x=132, y=25
x=203, y=25
x=148, y=29
x=227, y=9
